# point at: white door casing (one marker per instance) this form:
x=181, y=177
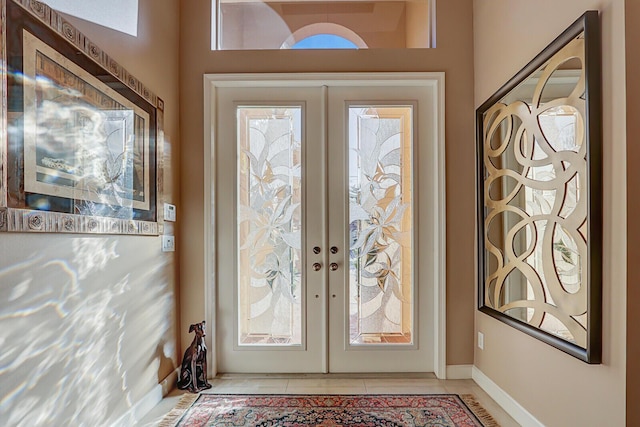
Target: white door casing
x=325, y=289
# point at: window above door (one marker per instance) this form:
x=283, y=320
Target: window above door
x=362, y=24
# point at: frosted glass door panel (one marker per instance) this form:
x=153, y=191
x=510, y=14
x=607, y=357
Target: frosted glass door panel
x=269, y=225
x=380, y=225
x=378, y=138
x=269, y=312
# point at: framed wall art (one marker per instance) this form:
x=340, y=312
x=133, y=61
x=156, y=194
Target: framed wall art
x=539, y=177
x=81, y=138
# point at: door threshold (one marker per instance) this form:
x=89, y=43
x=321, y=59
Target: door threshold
x=355, y=375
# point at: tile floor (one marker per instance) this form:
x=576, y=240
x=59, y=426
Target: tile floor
x=336, y=384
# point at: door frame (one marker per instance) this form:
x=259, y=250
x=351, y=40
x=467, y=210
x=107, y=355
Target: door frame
x=434, y=80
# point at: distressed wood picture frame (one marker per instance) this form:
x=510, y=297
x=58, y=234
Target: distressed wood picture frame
x=80, y=138
x=539, y=195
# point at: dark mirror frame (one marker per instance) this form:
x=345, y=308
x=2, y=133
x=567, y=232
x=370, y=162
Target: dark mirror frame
x=589, y=24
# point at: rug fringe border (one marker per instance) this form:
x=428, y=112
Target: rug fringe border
x=186, y=401
x=479, y=411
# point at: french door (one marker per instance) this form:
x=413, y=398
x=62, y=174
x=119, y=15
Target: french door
x=323, y=227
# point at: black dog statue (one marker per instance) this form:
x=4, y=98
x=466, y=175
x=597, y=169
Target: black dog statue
x=193, y=375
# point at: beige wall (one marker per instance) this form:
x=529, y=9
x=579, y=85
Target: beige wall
x=88, y=323
x=556, y=388
x=454, y=56
x=632, y=17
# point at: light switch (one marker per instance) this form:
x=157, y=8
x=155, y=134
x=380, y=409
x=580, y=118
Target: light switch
x=169, y=212
x=168, y=243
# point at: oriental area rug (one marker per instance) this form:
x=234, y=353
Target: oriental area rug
x=226, y=410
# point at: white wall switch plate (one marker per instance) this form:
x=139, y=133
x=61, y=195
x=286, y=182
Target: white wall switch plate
x=168, y=243
x=480, y=340
x=169, y=212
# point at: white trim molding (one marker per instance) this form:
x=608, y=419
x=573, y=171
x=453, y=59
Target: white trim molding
x=210, y=292
x=440, y=218
x=502, y=398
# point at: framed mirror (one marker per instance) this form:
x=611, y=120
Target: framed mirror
x=539, y=195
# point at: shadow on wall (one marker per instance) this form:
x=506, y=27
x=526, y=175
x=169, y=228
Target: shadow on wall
x=80, y=331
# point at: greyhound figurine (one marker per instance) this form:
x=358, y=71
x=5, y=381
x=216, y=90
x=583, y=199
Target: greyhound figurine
x=193, y=375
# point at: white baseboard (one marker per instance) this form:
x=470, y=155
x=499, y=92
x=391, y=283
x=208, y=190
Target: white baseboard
x=148, y=401
x=169, y=383
x=459, y=372
x=502, y=398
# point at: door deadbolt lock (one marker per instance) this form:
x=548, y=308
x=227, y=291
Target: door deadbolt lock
x=316, y=250
x=334, y=249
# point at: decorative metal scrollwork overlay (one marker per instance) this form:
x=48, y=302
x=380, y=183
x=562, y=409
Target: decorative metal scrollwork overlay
x=539, y=183
x=535, y=167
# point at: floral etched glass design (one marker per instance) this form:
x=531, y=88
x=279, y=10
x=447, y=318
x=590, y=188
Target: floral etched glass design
x=380, y=225
x=269, y=225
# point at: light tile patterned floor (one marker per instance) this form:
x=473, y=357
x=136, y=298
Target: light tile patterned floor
x=337, y=384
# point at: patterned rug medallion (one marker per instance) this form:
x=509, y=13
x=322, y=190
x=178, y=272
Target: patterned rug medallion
x=442, y=410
